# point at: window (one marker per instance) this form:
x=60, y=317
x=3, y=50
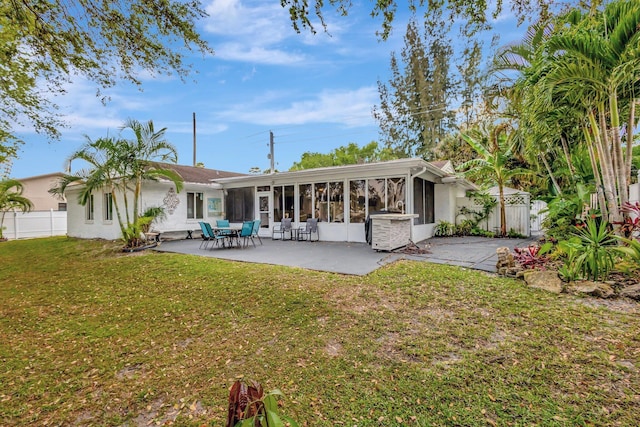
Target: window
x=306, y=204
x=195, y=205
x=336, y=202
x=357, y=201
x=108, y=207
x=321, y=206
x=423, y=201
x=62, y=207
x=89, y=208
x=377, y=195
x=239, y=204
x=395, y=195
x=283, y=200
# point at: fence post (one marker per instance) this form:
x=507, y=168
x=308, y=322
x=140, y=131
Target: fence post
x=15, y=225
x=51, y=222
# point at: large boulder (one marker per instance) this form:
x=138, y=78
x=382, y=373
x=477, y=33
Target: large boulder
x=587, y=287
x=632, y=292
x=546, y=280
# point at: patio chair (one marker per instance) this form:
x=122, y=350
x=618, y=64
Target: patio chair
x=311, y=227
x=255, y=231
x=282, y=229
x=206, y=236
x=217, y=238
x=245, y=233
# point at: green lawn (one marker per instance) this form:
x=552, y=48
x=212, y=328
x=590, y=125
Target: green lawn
x=90, y=336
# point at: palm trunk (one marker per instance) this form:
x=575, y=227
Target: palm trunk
x=616, y=142
x=567, y=155
x=630, y=126
x=604, y=156
x=503, y=210
x=596, y=171
x=550, y=172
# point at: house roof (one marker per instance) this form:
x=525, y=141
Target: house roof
x=199, y=175
x=416, y=166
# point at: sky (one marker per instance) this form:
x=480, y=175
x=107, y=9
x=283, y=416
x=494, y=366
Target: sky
x=315, y=92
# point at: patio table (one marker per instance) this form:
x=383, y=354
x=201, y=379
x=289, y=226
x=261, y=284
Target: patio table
x=229, y=232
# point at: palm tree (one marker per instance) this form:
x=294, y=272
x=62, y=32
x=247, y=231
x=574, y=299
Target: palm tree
x=493, y=146
x=11, y=198
x=587, y=64
x=120, y=166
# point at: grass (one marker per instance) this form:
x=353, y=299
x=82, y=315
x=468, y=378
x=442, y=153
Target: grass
x=90, y=336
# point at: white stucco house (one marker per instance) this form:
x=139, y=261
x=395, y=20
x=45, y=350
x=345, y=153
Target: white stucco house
x=341, y=198
x=201, y=198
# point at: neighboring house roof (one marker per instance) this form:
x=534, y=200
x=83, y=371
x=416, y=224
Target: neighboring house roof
x=198, y=175
x=44, y=176
x=445, y=165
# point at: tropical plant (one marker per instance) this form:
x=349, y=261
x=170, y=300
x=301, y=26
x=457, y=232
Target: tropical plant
x=533, y=256
x=11, y=198
x=630, y=250
x=152, y=214
x=582, y=71
x=120, y=166
x=596, y=253
x=570, y=250
x=565, y=212
x=249, y=406
x=492, y=145
x=631, y=220
x=443, y=229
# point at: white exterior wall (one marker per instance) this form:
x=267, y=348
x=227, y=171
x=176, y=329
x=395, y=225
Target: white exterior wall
x=153, y=195
x=445, y=202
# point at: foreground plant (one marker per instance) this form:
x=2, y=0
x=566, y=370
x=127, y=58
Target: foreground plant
x=250, y=407
x=533, y=256
x=595, y=250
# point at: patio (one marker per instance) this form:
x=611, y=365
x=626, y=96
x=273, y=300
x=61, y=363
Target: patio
x=354, y=258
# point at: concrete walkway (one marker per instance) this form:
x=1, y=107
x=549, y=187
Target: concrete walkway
x=354, y=258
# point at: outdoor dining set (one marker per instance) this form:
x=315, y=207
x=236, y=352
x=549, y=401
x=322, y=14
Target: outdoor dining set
x=226, y=235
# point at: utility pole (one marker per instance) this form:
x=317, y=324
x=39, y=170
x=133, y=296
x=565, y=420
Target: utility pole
x=194, y=139
x=273, y=169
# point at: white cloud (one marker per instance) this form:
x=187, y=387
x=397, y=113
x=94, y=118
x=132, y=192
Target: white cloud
x=257, y=54
x=349, y=108
x=256, y=31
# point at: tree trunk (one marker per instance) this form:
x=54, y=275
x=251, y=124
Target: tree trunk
x=503, y=210
x=602, y=204
x=567, y=155
x=550, y=172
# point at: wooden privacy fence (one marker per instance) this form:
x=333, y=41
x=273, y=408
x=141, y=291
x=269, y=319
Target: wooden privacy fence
x=20, y=225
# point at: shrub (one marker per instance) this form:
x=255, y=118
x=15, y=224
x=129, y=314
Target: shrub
x=444, y=229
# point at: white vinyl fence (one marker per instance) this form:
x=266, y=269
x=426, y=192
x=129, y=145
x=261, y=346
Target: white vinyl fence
x=28, y=225
x=538, y=215
x=517, y=212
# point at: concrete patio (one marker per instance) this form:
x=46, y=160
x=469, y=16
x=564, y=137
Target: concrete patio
x=354, y=258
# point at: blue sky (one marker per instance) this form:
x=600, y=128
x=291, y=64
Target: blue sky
x=315, y=92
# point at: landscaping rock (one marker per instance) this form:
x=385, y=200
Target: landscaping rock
x=506, y=265
x=596, y=289
x=546, y=280
x=632, y=292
